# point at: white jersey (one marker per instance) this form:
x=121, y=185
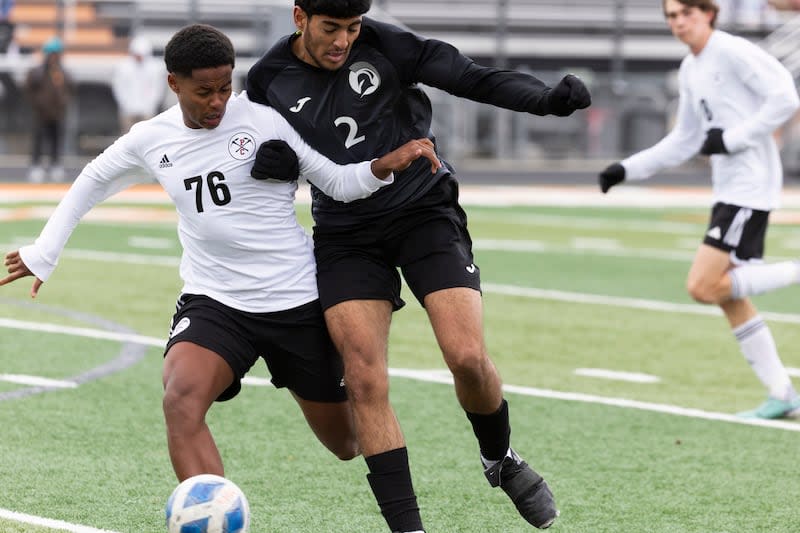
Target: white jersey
x=738, y=87
x=242, y=243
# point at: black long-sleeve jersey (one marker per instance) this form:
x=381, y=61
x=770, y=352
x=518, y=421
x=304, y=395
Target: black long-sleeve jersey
x=373, y=105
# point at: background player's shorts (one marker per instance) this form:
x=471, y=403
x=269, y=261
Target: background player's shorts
x=295, y=345
x=428, y=240
x=738, y=230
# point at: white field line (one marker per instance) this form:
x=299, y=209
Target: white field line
x=81, y=332
x=47, y=522
x=114, y=257
x=636, y=195
x=37, y=381
x=439, y=376
x=151, y=243
x=598, y=247
x=602, y=373
x=617, y=301
x=581, y=247
x=593, y=223
x=498, y=245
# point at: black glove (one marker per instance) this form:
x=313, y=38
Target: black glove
x=570, y=94
x=713, y=143
x=613, y=174
x=275, y=160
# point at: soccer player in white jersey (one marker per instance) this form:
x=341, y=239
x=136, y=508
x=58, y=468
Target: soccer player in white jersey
x=247, y=266
x=733, y=95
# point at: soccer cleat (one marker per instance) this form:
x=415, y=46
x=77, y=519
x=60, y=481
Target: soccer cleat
x=775, y=408
x=527, y=489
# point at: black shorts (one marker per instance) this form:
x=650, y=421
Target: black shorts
x=428, y=241
x=295, y=345
x=738, y=230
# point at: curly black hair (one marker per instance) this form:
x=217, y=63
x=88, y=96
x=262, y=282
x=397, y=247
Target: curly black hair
x=340, y=9
x=198, y=46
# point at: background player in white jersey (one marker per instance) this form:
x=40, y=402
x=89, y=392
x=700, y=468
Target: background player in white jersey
x=247, y=265
x=733, y=96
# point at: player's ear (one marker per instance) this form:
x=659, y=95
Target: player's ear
x=172, y=81
x=300, y=19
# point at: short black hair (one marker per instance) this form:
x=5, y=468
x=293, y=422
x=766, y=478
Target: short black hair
x=198, y=46
x=340, y=9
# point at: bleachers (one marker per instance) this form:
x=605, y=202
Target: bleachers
x=247, y=22
x=548, y=37
x=576, y=32
x=35, y=21
x=528, y=15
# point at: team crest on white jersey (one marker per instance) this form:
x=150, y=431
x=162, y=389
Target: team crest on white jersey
x=241, y=146
x=364, y=78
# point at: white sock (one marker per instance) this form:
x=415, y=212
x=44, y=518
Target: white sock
x=758, y=278
x=758, y=346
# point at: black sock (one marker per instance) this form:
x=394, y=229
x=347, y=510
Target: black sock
x=390, y=479
x=493, y=432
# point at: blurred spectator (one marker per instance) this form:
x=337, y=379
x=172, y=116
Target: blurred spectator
x=138, y=84
x=785, y=5
x=747, y=14
x=49, y=88
x=6, y=26
x=5, y=8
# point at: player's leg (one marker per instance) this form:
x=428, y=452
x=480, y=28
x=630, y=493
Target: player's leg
x=440, y=271
x=360, y=329
x=333, y=425
x=714, y=279
x=193, y=378
x=708, y=281
x=300, y=356
x=759, y=278
x=456, y=315
x=759, y=349
x=735, y=240
x=359, y=290
x=207, y=354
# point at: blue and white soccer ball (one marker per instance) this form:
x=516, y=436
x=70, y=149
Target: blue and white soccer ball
x=208, y=504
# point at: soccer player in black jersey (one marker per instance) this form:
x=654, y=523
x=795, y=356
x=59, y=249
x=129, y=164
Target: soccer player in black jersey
x=348, y=85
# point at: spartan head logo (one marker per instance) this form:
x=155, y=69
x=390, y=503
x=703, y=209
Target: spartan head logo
x=364, y=78
x=241, y=146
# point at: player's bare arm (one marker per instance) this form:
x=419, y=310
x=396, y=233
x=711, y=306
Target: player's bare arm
x=401, y=158
x=18, y=269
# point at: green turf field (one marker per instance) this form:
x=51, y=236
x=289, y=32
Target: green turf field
x=565, y=289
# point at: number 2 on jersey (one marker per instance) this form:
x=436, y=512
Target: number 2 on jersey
x=219, y=192
x=352, y=131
